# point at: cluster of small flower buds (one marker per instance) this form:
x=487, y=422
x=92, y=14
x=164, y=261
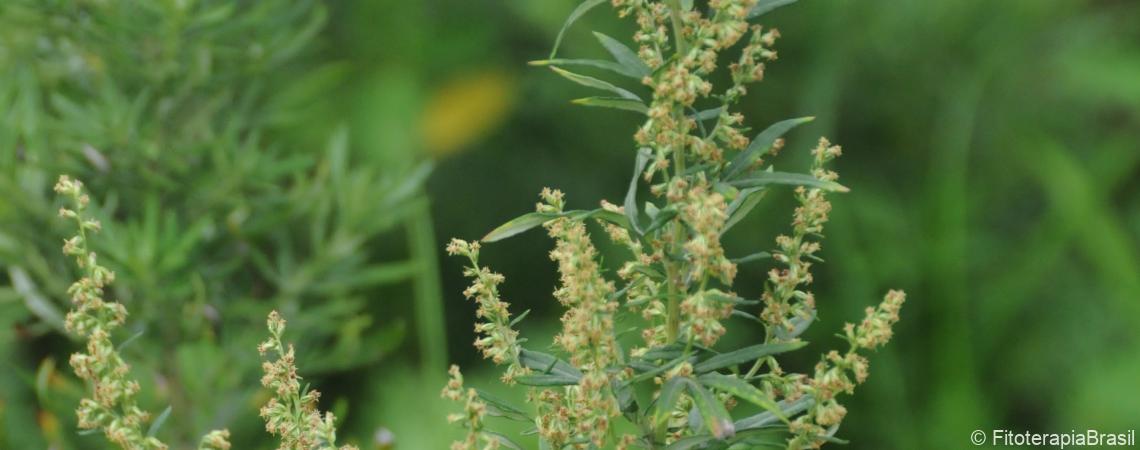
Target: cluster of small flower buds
x=292, y=414
x=750, y=67
x=836, y=373
x=875, y=329
x=215, y=440
x=113, y=406
x=588, y=324
x=704, y=211
x=472, y=417
x=704, y=310
x=651, y=37
x=498, y=341
x=553, y=421
x=783, y=299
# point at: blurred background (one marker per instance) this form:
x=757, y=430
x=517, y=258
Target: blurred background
x=312, y=158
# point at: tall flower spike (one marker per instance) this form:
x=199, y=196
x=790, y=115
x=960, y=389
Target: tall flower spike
x=112, y=406
x=497, y=340
x=588, y=324
x=291, y=413
x=705, y=175
x=474, y=411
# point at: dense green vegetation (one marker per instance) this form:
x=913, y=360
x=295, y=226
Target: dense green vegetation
x=990, y=147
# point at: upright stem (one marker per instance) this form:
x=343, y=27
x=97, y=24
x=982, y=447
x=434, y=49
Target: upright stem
x=675, y=287
x=675, y=16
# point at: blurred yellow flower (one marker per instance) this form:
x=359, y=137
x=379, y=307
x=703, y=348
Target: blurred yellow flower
x=464, y=109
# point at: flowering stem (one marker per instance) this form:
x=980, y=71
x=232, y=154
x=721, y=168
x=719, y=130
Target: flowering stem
x=675, y=16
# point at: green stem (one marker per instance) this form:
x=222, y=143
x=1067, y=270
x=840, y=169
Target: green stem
x=429, y=299
x=675, y=17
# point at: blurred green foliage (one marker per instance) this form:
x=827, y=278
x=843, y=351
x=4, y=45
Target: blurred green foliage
x=991, y=149
x=205, y=132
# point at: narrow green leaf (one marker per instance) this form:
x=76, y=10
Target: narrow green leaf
x=518, y=225
x=614, y=103
x=545, y=363
x=503, y=440
x=594, y=83
x=624, y=56
x=547, y=380
x=764, y=6
x=667, y=399
x=799, y=325
x=615, y=218
x=531, y=220
x=753, y=257
x=577, y=13
x=630, y=205
x=787, y=408
x=690, y=442
x=627, y=401
x=713, y=412
x=746, y=354
x=500, y=408
x=742, y=390
x=667, y=351
x=761, y=144
x=742, y=205
x=742, y=314
x=519, y=318
x=707, y=114
x=663, y=217
x=794, y=179
x=656, y=370
x=36, y=302
x=126, y=342
x=597, y=63
x=158, y=421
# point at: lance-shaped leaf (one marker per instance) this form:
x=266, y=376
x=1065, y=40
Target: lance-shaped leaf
x=788, y=178
x=662, y=217
x=691, y=443
x=550, y=379
x=613, y=102
x=761, y=144
x=746, y=354
x=758, y=256
x=531, y=220
x=503, y=440
x=742, y=390
x=799, y=325
x=518, y=225
x=577, y=13
x=667, y=399
x=766, y=418
x=712, y=411
x=596, y=63
x=742, y=205
x=497, y=407
x=630, y=204
x=158, y=422
x=624, y=56
x=764, y=6
x=545, y=363
x=594, y=83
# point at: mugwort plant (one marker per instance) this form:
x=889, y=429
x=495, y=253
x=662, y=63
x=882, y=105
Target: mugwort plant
x=671, y=387
x=290, y=413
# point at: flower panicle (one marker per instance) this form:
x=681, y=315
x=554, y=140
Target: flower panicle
x=291, y=413
x=588, y=323
x=472, y=417
x=113, y=405
x=836, y=373
x=497, y=340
